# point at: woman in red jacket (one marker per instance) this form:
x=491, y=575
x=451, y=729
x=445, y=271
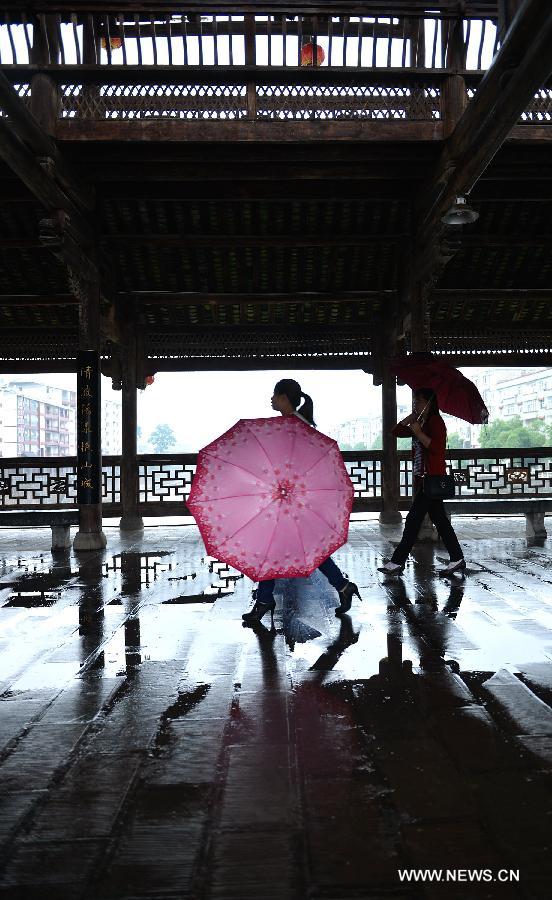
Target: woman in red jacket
x=429, y=439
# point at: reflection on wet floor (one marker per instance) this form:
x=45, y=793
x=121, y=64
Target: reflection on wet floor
x=149, y=743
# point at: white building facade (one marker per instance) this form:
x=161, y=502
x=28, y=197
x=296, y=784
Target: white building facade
x=364, y=430
x=38, y=419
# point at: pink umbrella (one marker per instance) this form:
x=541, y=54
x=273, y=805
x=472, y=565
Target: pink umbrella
x=272, y=497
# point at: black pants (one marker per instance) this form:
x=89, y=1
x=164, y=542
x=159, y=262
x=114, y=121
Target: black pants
x=422, y=506
x=335, y=576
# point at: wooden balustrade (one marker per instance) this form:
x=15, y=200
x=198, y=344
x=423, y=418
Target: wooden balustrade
x=164, y=479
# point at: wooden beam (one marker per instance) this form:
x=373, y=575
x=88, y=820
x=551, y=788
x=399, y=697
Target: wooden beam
x=498, y=358
x=443, y=295
x=168, y=298
x=259, y=363
x=157, y=129
x=257, y=191
x=34, y=366
x=378, y=298
x=38, y=300
x=37, y=179
x=190, y=333
x=253, y=240
x=110, y=173
x=259, y=7
x=500, y=191
x=32, y=136
x=474, y=241
x=334, y=76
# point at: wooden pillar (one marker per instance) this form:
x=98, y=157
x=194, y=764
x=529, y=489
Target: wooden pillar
x=390, y=514
x=90, y=535
x=419, y=336
x=131, y=519
x=250, y=61
x=385, y=348
x=419, y=341
x=454, y=94
x=44, y=90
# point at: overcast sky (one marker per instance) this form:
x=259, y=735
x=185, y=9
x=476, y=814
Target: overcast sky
x=201, y=405
x=198, y=406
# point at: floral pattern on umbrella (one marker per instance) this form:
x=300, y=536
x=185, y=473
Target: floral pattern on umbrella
x=272, y=497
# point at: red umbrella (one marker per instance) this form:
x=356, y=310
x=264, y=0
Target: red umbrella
x=456, y=394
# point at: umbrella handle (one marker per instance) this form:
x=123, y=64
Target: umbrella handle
x=421, y=416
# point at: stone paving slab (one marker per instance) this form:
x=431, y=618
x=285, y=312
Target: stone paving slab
x=152, y=747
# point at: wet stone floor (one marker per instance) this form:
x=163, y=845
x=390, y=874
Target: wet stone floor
x=152, y=747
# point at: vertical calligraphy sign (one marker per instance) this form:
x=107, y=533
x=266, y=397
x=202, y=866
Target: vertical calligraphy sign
x=88, y=428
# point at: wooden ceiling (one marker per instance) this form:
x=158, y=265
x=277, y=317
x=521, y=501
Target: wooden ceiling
x=238, y=248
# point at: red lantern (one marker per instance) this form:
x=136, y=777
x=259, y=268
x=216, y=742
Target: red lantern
x=307, y=55
x=149, y=379
x=115, y=43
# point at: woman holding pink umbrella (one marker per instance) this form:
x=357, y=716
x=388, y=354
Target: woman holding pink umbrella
x=286, y=399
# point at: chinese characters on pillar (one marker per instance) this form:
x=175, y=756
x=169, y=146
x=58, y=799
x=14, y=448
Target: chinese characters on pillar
x=88, y=426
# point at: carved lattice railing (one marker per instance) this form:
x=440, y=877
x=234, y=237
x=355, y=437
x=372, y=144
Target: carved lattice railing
x=51, y=482
x=165, y=480
x=493, y=472
x=415, y=99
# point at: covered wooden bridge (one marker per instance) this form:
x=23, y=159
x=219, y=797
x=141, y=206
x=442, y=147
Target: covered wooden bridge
x=184, y=186
x=271, y=185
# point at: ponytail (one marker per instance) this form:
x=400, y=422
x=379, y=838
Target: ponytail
x=292, y=390
x=306, y=409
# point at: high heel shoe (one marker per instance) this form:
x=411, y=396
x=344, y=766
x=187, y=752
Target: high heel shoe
x=391, y=568
x=346, y=594
x=455, y=567
x=259, y=609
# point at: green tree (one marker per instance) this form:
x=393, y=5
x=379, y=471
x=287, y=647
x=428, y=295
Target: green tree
x=162, y=438
x=402, y=443
x=454, y=441
x=513, y=433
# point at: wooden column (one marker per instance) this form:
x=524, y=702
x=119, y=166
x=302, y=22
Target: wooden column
x=390, y=514
x=419, y=340
x=90, y=535
x=454, y=94
x=44, y=91
x=418, y=319
x=384, y=350
x=250, y=60
x=131, y=519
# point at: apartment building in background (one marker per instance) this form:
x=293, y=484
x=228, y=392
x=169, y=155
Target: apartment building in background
x=509, y=392
x=527, y=395
x=38, y=419
x=364, y=430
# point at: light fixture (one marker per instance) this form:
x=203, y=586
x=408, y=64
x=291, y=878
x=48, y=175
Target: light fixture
x=460, y=213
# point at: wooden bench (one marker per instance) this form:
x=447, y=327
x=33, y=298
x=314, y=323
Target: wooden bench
x=534, y=510
x=59, y=521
